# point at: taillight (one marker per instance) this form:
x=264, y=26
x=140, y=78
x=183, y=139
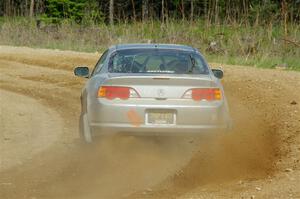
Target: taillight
x=112, y=92
x=208, y=94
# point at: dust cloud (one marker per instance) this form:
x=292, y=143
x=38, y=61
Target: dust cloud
x=116, y=166
x=123, y=166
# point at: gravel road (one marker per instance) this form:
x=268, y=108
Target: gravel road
x=41, y=155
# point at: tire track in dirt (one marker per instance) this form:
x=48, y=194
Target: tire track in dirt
x=21, y=126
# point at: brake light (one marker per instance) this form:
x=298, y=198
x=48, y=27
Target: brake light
x=208, y=94
x=112, y=92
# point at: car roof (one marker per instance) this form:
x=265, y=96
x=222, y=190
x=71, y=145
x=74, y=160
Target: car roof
x=152, y=46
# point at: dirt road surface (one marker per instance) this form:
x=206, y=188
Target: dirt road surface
x=41, y=155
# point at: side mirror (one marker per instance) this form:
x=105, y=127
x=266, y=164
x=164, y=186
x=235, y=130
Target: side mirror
x=218, y=73
x=82, y=71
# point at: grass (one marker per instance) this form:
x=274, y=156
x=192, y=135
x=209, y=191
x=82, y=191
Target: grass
x=261, y=46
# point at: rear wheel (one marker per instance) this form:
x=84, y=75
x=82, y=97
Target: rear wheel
x=85, y=129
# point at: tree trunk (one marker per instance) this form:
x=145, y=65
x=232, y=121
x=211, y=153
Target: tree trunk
x=111, y=12
x=210, y=12
x=205, y=10
x=26, y=11
x=162, y=10
x=145, y=10
x=31, y=13
x=133, y=10
x=217, y=11
x=182, y=10
x=284, y=16
x=7, y=8
x=192, y=10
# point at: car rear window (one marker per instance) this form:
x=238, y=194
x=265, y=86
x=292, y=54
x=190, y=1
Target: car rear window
x=163, y=61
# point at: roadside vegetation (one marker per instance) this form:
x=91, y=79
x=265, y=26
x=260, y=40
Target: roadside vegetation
x=256, y=33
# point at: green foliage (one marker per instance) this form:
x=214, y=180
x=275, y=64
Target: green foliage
x=57, y=10
x=266, y=11
x=215, y=11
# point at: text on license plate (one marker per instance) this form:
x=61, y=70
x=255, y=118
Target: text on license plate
x=161, y=118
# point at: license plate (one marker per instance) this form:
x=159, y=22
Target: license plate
x=161, y=118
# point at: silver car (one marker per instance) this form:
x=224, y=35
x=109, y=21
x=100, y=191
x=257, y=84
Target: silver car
x=148, y=89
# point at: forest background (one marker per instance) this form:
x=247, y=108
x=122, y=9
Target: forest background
x=261, y=33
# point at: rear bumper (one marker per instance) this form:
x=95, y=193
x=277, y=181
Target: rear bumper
x=144, y=130
x=106, y=117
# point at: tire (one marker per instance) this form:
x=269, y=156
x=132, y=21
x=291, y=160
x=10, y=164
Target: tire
x=85, y=129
